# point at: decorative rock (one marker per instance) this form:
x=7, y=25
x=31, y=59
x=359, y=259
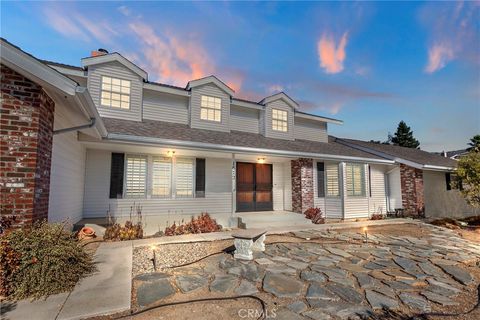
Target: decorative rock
x=189, y=283
x=277, y=268
x=364, y=280
x=444, y=285
x=297, y=265
x=444, y=301
x=312, y=276
x=252, y=272
x=339, y=252
x=415, y=301
x=457, y=273
x=150, y=292
x=317, y=295
x=223, y=283
x=285, y=314
x=264, y=261
x=246, y=288
x=344, y=292
x=373, y=266
x=379, y=301
x=282, y=286
x=397, y=285
x=316, y=314
x=297, y=306
x=152, y=276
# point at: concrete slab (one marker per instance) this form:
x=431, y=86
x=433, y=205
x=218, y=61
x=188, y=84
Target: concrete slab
x=40, y=309
x=108, y=290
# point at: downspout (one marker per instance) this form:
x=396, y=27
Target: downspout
x=76, y=128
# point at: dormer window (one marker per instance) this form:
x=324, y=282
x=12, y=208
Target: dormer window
x=115, y=93
x=279, y=120
x=211, y=109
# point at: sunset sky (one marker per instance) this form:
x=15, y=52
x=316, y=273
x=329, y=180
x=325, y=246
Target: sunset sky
x=369, y=64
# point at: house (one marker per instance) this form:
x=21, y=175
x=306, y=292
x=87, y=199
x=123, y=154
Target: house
x=455, y=154
x=91, y=141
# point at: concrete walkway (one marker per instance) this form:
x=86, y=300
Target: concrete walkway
x=109, y=290
x=106, y=292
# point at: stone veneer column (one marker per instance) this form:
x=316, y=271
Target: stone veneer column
x=26, y=118
x=411, y=180
x=302, y=184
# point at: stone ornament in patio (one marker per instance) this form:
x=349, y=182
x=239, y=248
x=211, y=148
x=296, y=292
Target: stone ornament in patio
x=247, y=241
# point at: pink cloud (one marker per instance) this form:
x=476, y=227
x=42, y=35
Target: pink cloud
x=330, y=54
x=332, y=108
x=438, y=56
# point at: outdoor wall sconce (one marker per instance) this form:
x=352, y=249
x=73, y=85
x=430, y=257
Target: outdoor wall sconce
x=261, y=160
x=170, y=153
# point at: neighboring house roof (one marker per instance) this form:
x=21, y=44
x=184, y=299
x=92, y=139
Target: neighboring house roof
x=413, y=157
x=149, y=131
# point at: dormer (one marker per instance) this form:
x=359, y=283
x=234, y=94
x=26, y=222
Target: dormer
x=277, y=118
x=115, y=85
x=210, y=104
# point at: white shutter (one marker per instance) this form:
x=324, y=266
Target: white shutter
x=136, y=176
x=162, y=177
x=355, y=179
x=332, y=180
x=184, y=171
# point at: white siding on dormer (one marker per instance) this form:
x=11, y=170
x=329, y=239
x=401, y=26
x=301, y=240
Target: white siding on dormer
x=269, y=132
x=210, y=90
x=243, y=119
x=165, y=107
x=116, y=70
x=312, y=130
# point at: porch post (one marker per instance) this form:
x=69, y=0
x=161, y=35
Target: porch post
x=234, y=184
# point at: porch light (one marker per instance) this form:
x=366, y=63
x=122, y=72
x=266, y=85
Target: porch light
x=170, y=153
x=366, y=234
x=154, y=258
x=261, y=160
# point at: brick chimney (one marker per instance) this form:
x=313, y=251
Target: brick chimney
x=99, y=52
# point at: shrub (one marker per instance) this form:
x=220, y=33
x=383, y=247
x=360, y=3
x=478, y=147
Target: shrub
x=42, y=260
x=6, y=223
x=202, y=224
x=133, y=228
x=377, y=216
x=315, y=214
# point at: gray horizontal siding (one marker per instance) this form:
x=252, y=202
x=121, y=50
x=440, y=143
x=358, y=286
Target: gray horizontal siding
x=312, y=130
x=243, y=119
x=269, y=132
x=165, y=107
x=116, y=70
x=195, y=107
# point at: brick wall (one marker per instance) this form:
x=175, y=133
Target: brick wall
x=26, y=130
x=302, y=184
x=411, y=180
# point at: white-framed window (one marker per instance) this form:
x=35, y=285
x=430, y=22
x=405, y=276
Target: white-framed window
x=184, y=176
x=355, y=179
x=211, y=108
x=115, y=93
x=333, y=189
x=279, y=120
x=162, y=177
x=136, y=176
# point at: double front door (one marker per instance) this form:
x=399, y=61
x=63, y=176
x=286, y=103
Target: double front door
x=254, y=187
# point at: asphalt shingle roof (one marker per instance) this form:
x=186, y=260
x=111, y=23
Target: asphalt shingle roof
x=175, y=131
x=414, y=155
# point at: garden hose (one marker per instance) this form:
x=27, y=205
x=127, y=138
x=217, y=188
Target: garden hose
x=262, y=303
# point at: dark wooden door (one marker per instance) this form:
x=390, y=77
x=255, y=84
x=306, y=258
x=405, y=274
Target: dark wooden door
x=254, y=187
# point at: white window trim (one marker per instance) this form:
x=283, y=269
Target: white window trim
x=209, y=108
x=147, y=175
x=339, y=186
x=280, y=120
x=116, y=92
x=363, y=181
x=157, y=196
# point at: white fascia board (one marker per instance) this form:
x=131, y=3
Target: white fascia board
x=35, y=70
x=438, y=168
x=210, y=79
x=280, y=96
x=245, y=104
x=69, y=71
x=317, y=118
x=159, y=88
x=123, y=138
x=88, y=106
x=114, y=57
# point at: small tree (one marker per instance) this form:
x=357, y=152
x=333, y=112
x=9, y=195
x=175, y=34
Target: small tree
x=474, y=143
x=403, y=137
x=468, y=173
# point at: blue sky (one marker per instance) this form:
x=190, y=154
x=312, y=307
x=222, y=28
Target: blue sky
x=370, y=64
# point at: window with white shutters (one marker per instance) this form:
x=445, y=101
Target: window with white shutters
x=162, y=177
x=355, y=179
x=332, y=180
x=136, y=176
x=184, y=173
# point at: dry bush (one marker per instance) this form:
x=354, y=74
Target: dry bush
x=202, y=224
x=377, y=216
x=41, y=260
x=132, y=230
x=315, y=214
